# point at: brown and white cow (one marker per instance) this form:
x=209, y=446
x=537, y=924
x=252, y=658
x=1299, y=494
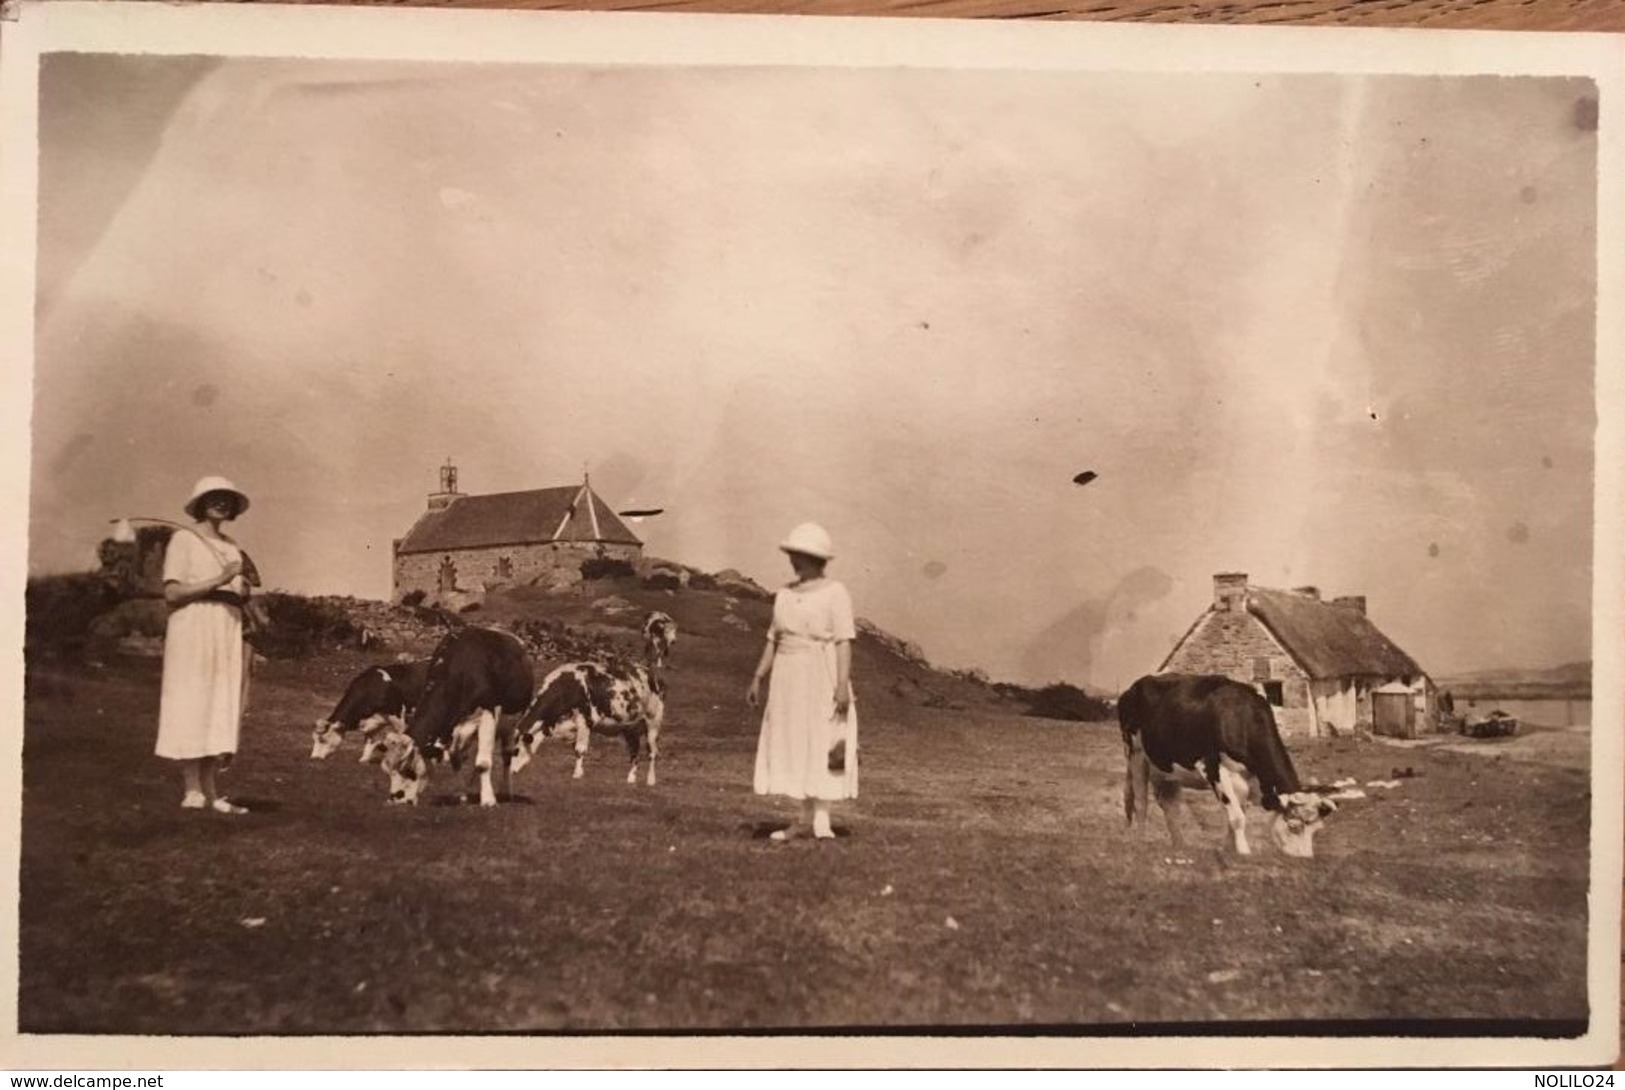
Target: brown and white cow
x=1223, y=729
x=588, y=697
x=659, y=634
x=377, y=697
x=475, y=676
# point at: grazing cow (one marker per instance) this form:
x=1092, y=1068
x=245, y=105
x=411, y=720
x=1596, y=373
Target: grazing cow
x=376, y=697
x=659, y=633
x=1225, y=730
x=475, y=676
x=609, y=698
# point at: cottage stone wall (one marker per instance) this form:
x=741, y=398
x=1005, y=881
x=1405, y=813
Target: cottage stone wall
x=1235, y=644
x=506, y=565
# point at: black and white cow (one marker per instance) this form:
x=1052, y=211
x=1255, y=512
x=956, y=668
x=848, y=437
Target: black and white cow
x=475, y=676
x=659, y=634
x=587, y=697
x=1223, y=729
x=375, y=698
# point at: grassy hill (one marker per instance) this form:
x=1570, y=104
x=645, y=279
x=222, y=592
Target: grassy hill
x=721, y=622
x=720, y=635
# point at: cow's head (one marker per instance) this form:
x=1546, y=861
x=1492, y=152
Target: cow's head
x=1294, y=825
x=326, y=738
x=373, y=732
x=405, y=766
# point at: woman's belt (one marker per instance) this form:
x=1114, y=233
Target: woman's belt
x=223, y=597
x=796, y=642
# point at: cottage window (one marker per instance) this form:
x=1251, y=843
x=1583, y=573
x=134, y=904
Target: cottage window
x=1274, y=694
x=1261, y=669
x=504, y=567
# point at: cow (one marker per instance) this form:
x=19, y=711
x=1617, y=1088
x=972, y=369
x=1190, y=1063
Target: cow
x=659, y=634
x=588, y=697
x=375, y=698
x=1225, y=730
x=475, y=676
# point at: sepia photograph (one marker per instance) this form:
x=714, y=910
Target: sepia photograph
x=488, y=499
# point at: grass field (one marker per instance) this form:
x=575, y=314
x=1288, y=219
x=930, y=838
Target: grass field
x=983, y=879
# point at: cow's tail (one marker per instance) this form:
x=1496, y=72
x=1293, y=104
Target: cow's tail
x=1130, y=716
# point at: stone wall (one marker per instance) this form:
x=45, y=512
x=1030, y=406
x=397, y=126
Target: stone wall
x=1237, y=645
x=554, y=564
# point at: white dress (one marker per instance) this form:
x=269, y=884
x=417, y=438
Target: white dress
x=798, y=723
x=201, y=704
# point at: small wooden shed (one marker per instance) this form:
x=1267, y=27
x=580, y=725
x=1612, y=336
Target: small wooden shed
x=1393, y=710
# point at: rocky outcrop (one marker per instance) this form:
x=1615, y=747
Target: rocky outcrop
x=903, y=649
x=733, y=582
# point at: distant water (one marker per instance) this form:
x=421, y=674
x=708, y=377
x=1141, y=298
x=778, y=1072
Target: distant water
x=1541, y=713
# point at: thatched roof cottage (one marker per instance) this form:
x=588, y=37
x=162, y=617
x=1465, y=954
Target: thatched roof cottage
x=1320, y=663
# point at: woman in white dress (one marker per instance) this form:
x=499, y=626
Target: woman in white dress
x=205, y=672
x=808, y=749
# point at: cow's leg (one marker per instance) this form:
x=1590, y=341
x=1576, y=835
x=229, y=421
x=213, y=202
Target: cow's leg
x=633, y=737
x=1170, y=799
x=1232, y=792
x=504, y=764
x=1137, y=789
x=484, y=756
x=583, y=742
x=651, y=729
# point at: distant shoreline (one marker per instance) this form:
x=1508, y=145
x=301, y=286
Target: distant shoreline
x=1514, y=691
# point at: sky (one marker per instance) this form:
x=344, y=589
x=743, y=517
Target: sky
x=1321, y=329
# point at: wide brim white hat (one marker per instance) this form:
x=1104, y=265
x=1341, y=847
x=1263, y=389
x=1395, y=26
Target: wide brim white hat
x=215, y=484
x=809, y=539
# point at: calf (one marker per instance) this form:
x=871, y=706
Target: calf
x=609, y=698
x=659, y=633
x=475, y=676
x=1225, y=730
x=375, y=698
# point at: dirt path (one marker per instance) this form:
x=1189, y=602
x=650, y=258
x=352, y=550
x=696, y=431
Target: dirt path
x=1566, y=748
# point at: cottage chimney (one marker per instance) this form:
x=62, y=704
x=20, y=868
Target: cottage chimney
x=1308, y=592
x=1230, y=591
x=439, y=501
x=1356, y=602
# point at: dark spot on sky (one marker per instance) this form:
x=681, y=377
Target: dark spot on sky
x=1373, y=413
x=934, y=569
x=925, y=325
x=1518, y=532
x=205, y=395
x=1546, y=460
x=1085, y=477
x=303, y=298
x=1585, y=114
x=1433, y=549
x=1528, y=194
